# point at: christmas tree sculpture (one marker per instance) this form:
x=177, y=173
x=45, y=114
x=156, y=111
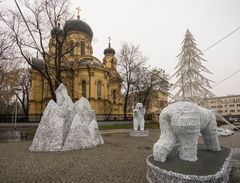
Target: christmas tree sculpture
x=193, y=85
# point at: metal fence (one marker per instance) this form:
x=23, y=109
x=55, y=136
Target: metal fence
x=21, y=118
x=35, y=118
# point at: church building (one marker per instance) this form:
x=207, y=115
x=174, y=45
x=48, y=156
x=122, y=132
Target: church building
x=82, y=74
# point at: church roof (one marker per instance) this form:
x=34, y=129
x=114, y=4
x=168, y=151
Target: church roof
x=78, y=25
x=90, y=62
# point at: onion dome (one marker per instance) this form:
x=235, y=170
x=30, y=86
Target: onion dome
x=109, y=50
x=56, y=31
x=37, y=63
x=79, y=26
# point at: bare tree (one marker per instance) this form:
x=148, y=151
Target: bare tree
x=9, y=71
x=148, y=83
x=8, y=81
x=30, y=26
x=24, y=85
x=108, y=108
x=130, y=58
x=5, y=45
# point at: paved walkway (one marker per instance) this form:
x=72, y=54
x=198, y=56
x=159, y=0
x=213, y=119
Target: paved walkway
x=120, y=160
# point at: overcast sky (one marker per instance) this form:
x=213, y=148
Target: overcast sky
x=158, y=26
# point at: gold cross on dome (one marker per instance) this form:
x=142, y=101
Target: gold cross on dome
x=78, y=12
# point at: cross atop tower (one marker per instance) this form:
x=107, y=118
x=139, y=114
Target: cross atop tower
x=109, y=41
x=78, y=12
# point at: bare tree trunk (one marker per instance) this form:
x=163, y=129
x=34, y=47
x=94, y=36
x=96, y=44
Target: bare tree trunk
x=126, y=104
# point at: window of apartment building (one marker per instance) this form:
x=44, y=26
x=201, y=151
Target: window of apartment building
x=231, y=105
x=238, y=100
x=213, y=107
x=231, y=100
x=219, y=106
x=226, y=110
x=232, y=110
x=238, y=105
x=220, y=111
x=238, y=110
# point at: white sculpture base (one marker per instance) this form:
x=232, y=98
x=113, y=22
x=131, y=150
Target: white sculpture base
x=139, y=133
x=211, y=167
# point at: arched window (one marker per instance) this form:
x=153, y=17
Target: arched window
x=114, y=97
x=84, y=88
x=99, y=89
x=71, y=48
x=112, y=63
x=82, y=47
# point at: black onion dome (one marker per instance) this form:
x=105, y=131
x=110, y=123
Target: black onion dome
x=78, y=25
x=37, y=63
x=109, y=50
x=56, y=31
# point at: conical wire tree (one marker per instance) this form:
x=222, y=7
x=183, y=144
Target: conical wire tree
x=193, y=86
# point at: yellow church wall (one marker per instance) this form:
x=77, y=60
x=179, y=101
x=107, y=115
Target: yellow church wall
x=76, y=38
x=79, y=75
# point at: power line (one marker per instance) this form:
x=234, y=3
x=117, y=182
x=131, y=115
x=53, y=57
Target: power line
x=220, y=40
x=227, y=78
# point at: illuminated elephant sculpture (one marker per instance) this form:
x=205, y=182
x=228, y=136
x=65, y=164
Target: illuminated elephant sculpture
x=182, y=122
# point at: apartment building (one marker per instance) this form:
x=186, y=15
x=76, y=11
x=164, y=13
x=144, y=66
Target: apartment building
x=228, y=106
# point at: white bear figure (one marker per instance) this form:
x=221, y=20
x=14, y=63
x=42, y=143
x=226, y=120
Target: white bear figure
x=138, y=116
x=183, y=122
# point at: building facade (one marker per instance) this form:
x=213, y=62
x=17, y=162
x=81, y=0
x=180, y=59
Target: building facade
x=82, y=74
x=227, y=106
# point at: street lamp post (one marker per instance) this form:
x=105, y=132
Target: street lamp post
x=16, y=108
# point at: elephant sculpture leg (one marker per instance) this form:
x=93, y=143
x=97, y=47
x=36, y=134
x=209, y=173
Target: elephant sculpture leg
x=186, y=126
x=188, y=140
x=166, y=141
x=210, y=137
